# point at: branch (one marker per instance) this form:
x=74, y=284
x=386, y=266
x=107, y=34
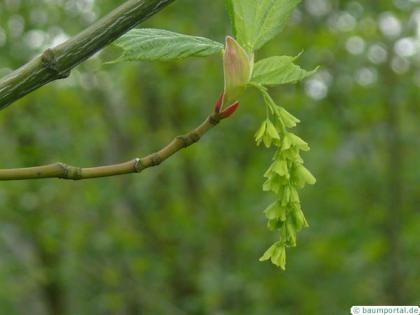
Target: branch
x=64, y=171
x=56, y=63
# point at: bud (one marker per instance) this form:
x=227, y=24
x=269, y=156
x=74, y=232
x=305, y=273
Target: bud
x=230, y=110
x=238, y=70
x=219, y=104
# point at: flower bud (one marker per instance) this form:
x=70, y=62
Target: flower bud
x=229, y=111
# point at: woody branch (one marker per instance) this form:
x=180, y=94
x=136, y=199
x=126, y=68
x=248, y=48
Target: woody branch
x=57, y=63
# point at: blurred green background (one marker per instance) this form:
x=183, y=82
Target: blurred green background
x=185, y=237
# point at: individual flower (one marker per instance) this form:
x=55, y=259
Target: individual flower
x=267, y=134
x=277, y=254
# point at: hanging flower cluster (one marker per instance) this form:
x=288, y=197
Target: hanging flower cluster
x=284, y=178
x=287, y=174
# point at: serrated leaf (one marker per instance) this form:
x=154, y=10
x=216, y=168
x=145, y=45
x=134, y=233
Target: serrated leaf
x=256, y=22
x=154, y=44
x=279, y=70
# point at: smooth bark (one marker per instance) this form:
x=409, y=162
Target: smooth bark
x=57, y=63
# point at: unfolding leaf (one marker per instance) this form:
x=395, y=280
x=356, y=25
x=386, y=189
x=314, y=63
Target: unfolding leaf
x=237, y=64
x=255, y=22
x=278, y=70
x=155, y=44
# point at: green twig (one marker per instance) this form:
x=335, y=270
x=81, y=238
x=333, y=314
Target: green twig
x=137, y=165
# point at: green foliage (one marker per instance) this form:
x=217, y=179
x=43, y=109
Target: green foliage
x=256, y=22
x=162, y=45
x=278, y=70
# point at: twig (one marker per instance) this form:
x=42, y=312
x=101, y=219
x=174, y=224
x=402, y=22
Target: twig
x=64, y=171
x=56, y=63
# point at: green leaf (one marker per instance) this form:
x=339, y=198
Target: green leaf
x=155, y=44
x=279, y=70
x=255, y=22
x=229, y=8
